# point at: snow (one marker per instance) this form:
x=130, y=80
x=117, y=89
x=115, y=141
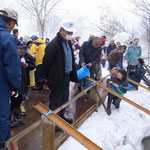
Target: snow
x=124, y=129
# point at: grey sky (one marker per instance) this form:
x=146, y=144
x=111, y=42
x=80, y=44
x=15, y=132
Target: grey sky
x=88, y=9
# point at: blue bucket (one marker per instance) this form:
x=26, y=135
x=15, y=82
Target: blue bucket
x=83, y=73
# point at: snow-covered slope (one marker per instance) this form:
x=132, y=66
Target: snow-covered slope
x=124, y=129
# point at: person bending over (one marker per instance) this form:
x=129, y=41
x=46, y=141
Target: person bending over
x=118, y=84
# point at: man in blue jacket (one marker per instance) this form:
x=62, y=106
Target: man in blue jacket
x=10, y=70
x=136, y=73
x=133, y=53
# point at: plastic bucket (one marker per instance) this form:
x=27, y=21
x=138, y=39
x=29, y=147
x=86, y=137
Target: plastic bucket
x=83, y=73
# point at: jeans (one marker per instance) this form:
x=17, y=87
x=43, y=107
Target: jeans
x=115, y=99
x=4, y=119
x=98, y=71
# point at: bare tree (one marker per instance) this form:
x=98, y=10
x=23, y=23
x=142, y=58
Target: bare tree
x=142, y=9
x=40, y=10
x=109, y=24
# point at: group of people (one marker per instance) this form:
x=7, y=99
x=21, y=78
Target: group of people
x=26, y=61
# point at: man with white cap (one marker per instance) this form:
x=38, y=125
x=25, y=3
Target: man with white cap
x=10, y=70
x=59, y=66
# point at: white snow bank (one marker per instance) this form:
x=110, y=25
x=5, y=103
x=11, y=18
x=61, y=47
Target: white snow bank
x=123, y=130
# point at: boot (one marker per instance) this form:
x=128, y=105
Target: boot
x=23, y=110
x=109, y=106
x=67, y=119
x=19, y=120
x=57, y=128
x=2, y=147
x=14, y=124
x=79, y=90
x=64, y=116
x=87, y=95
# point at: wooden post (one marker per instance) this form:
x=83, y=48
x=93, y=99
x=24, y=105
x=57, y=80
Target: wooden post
x=102, y=102
x=14, y=146
x=48, y=134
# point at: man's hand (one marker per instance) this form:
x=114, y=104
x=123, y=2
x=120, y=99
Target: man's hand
x=133, y=70
x=83, y=64
x=110, y=82
x=27, y=65
x=90, y=65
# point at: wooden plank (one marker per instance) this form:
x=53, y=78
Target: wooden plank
x=120, y=96
x=23, y=133
x=48, y=136
x=64, y=136
x=67, y=128
x=73, y=99
x=143, y=86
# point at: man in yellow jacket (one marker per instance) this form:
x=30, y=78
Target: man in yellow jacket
x=38, y=51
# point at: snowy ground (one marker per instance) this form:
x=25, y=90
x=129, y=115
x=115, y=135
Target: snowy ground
x=124, y=129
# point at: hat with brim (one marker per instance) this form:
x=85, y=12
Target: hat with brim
x=68, y=25
x=21, y=46
x=10, y=13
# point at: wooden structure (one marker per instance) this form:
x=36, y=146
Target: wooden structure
x=50, y=126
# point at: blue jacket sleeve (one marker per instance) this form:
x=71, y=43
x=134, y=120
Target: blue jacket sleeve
x=140, y=73
x=12, y=64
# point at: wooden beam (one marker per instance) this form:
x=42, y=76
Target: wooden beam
x=23, y=133
x=143, y=86
x=120, y=96
x=67, y=128
x=73, y=99
x=48, y=136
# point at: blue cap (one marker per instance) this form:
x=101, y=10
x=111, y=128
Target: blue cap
x=21, y=45
x=34, y=37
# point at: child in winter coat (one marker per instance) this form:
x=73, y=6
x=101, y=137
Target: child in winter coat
x=118, y=84
x=19, y=95
x=137, y=72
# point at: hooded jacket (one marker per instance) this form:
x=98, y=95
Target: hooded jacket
x=10, y=66
x=133, y=54
x=38, y=47
x=54, y=64
x=115, y=56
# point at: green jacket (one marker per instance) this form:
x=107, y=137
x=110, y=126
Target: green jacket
x=133, y=54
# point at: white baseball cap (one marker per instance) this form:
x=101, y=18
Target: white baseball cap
x=68, y=25
x=10, y=13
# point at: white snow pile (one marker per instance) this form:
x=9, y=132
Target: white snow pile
x=124, y=129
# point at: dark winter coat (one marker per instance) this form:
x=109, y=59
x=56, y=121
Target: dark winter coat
x=54, y=64
x=10, y=67
x=25, y=79
x=138, y=74
x=123, y=85
x=17, y=40
x=110, y=48
x=115, y=56
x=89, y=54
